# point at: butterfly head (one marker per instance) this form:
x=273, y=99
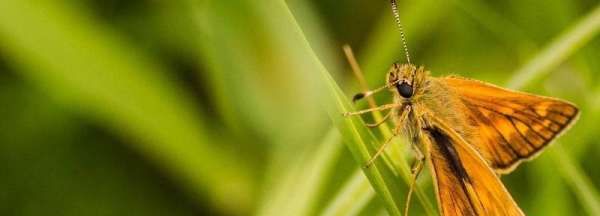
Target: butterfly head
x=402, y=78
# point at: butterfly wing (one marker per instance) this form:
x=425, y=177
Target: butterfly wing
x=464, y=183
x=511, y=126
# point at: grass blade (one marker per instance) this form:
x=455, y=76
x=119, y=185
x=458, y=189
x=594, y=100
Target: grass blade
x=557, y=51
x=354, y=196
x=306, y=180
x=579, y=182
x=359, y=140
x=362, y=143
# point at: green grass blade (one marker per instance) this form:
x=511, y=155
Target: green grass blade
x=359, y=140
x=362, y=144
x=546, y=191
x=497, y=24
x=305, y=182
x=557, y=51
x=352, y=198
x=95, y=72
x=314, y=174
x=340, y=201
x=579, y=182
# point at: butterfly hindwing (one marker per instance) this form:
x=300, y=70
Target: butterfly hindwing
x=511, y=126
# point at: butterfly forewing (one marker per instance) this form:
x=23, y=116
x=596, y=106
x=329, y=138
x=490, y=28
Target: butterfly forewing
x=464, y=183
x=511, y=126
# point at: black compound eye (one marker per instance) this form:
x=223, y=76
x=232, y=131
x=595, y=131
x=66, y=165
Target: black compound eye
x=405, y=90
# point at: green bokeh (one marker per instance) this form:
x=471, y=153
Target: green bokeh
x=223, y=107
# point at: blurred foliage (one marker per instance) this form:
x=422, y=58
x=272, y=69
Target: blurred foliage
x=233, y=107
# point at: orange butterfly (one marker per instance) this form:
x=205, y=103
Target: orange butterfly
x=471, y=131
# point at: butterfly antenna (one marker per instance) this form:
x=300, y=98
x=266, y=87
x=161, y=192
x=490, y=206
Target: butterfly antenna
x=397, y=18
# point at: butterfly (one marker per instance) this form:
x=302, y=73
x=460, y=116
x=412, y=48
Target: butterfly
x=469, y=132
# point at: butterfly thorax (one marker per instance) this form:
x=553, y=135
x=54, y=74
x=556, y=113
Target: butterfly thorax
x=427, y=94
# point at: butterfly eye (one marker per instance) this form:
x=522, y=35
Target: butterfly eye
x=405, y=90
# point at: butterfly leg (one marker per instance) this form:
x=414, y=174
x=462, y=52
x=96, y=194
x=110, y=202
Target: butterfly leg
x=379, y=151
x=379, y=108
x=387, y=116
x=403, y=117
x=416, y=169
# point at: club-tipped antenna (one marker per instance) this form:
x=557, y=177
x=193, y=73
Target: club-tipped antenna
x=397, y=18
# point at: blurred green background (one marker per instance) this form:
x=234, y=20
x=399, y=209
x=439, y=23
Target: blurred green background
x=217, y=107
